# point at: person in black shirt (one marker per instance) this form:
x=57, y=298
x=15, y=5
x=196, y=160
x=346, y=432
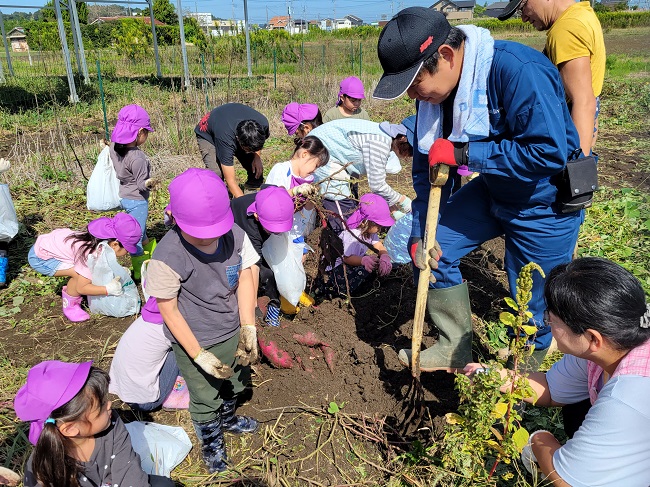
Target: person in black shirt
x=229, y=131
x=259, y=215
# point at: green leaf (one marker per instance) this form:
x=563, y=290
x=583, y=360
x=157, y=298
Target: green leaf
x=499, y=410
x=511, y=302
x=334, y=408
x=453, y=418
x=528, y=329
x=18, y=300
x=507, y=318
x=520, y=438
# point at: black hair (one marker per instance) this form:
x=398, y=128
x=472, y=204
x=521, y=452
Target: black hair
x=314, y=146
x=365, y=225
x=454, y=40
x=314, y=122
x=121, y=149
x=52, y=466
x=597, y=293
x=88, y=244
x=401, y=146
x=251, y=135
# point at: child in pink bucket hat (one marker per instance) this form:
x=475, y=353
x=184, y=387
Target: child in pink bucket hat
x=75, y=433
x=300, y=118
x=201, y=277
x=64, y=253
x=363, y=252
x=133, y=169
x=348, y=104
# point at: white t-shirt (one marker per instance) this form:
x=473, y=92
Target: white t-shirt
x=612, y=447
x=280, y=175
x=140, y=355
x=352, y=246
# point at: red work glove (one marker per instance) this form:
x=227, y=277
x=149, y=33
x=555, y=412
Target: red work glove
x=385, y=265
x=369, y=262
x=443, y=151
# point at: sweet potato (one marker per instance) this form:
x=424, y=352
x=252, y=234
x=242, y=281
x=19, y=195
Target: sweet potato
x=278, y=357
x=330, y=356
x=310, y=339
x=9, y=477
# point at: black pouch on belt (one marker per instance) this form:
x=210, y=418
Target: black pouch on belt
x=576, y=184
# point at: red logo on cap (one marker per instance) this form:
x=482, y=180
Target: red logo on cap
x=426, y=43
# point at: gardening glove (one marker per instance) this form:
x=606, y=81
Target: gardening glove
x=416, y=251
x=528, y=457
x=369, y=262
x=443, y=151
x=247, y=351
x=405, y=206
x=114, y=288
x=212, y=365
x=4, y=165
x=305, y=189
x=385, y=265
x=151, y=183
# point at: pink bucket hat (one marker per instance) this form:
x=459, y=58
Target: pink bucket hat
x=122, y=227
x=274, y=208
x=130, y=119
x=353, y=87
x=49, y=386
x=199, y=202
x=295, y=113
x=374, y=208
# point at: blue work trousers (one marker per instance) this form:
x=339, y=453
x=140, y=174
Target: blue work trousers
x=532, y=234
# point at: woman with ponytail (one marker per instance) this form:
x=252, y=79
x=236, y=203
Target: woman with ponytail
x=78, y=440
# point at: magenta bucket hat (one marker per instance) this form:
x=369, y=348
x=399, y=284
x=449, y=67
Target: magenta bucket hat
x=274, y=208
x=122, y=227
x=200, y=205
x=130, y=120
x=353, y=87
x=295, y=113
x=374, y=208
x=49, y=386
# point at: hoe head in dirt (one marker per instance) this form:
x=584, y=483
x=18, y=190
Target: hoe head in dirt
x=413, y=412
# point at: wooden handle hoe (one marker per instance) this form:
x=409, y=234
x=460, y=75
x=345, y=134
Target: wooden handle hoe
x=438, y=178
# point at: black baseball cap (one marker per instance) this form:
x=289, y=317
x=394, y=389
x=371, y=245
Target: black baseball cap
x=508, y=11
x=407, y=40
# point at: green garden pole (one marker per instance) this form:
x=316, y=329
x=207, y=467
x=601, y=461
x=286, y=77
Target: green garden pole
x=323, y=60
x=302, y=56
x=352, y=55
x=205, y=83
x=360, y=58
x=101, y=92
x=275, y=69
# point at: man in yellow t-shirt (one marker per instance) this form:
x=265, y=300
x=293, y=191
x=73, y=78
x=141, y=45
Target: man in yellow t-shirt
x=574, y=43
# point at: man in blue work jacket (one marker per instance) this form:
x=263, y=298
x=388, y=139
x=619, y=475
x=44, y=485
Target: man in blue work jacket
x=498, y=108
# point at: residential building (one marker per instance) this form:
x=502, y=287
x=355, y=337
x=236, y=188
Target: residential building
x=278, y=22
x=18, y=39
x=495, y=9
x=343, y=23
x=227, y=27
x=204, y=19
x=456, y=9
x=354, y=20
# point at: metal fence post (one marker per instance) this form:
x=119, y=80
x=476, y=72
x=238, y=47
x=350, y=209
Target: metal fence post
x=81, y=53
x=66, y=53
x=155, y=39
x=4, y=41
x=183, y=47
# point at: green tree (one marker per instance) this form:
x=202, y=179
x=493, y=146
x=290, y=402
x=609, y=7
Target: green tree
x=165, y=12
x=49, y=14
x=479, y=11
x=132, y=38
x=194, y=33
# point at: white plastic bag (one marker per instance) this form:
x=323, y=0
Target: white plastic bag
x=285, y=260
x=104, y=268
x=8, y=219
x=161, y=448
x=103, y=190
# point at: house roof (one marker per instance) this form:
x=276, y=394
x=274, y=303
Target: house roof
x=146, y=20
x=353, y=18
x=279, y=21
x=497, y=6
x=457, y=3
x=17, y=33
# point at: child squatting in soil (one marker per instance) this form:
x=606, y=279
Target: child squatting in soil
x=348, y=103
x=79, y=441
x=201, y=277
x=133, y=170
x=360, y=236
x=64, y=253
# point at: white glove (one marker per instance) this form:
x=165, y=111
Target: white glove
x=405, y=206
x=528, y=457
x=305, y=189
x=212, y=365
x=247, y=351
x=151, y=183
x=4, y=165
x=114, y=288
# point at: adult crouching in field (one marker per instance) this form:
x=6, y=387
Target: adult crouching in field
x=229, y=131
x=358, y=148
x=575, y=44
x=499, y=108
x=601, y=321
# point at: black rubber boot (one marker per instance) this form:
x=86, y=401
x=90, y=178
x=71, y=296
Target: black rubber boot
x=449, y=310
x=236, y=424
x=213, y=446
